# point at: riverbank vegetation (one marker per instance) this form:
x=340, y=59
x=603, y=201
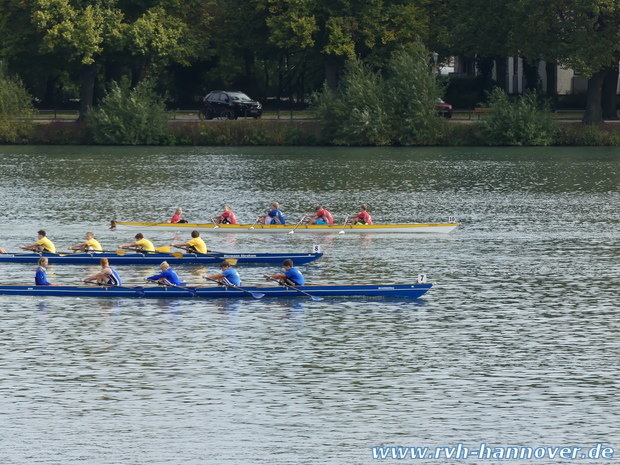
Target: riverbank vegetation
x=15, y=104
x=305, y=133
x=392, y=105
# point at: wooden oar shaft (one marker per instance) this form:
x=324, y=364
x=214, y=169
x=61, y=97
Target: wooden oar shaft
x=256, y=295
x=297, y=225
x=191, y=290
x=230, y=261
x=313, y=297
x=137, y=289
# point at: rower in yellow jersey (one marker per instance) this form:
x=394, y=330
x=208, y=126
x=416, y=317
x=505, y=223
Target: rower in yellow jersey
x=42, y=245
x=91, y=244
x=194, y=245
x=141, y=244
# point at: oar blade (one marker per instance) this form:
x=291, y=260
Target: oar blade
x=139, y=290
x=192, y=291
x=316, y=298
x=121, y=252
x=178, y=254
x=258, y=295
x=165, y=249
x=231, y=261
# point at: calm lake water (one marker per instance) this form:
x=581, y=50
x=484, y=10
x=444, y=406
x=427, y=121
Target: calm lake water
x=518, y=344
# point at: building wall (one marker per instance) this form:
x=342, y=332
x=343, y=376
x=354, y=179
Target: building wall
x=568, y=82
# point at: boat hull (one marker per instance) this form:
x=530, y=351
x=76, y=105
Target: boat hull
x=217, y=292
x=157, y=258
x=443, y=228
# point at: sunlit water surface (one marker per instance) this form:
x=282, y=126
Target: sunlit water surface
x=518, y=344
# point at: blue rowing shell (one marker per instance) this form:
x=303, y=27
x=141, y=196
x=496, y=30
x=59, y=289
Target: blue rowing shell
x=157, y=258
x=162, y=292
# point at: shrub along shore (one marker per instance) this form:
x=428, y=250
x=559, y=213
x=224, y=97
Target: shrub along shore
x=308, y=133
x=397, y=107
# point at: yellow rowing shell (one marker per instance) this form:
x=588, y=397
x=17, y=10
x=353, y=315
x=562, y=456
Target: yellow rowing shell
x=443, y=228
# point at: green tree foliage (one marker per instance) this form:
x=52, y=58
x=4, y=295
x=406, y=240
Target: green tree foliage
x=523, y=121
x=130, y=116
x=369, y=108
x=345, y=29
x=411, y=93
x=355, y=113
x=580, y=34
x=15, y=103
x=142, y=36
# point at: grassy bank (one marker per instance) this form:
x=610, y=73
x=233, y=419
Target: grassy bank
x=302, y=133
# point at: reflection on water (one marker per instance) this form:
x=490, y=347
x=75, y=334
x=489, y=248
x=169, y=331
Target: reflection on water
x=515, y=345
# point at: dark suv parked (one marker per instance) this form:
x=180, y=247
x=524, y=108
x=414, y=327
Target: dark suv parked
x=224, y=104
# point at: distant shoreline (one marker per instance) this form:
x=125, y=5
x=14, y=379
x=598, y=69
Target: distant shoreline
x=302, y=132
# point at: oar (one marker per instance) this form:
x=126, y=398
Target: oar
x=214, y=223
x=42, y=253
x=138, y=290
x=122, y=252
x=231, y=261
x=256, y=295
x=119, y=252
x=313, y=297
x=253, y=224
x=300, y=221
x=191, y=290
x=166, y=250
x=344, y=225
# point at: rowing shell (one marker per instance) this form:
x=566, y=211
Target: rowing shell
x=162, y=292
x=279, y=228
x=157, y=258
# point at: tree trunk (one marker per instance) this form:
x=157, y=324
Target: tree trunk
x=594, y=108
x=138, y=72
x=50, y=99
x=532, y=78
x=485, y=65
x=501, y=72
x=87, y=90
x=610, y=94
x=250, y=82
x=331, y=73
x=551, y=70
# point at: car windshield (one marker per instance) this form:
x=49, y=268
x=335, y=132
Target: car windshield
x=239, y=96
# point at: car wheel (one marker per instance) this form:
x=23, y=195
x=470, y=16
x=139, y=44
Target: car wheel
x=226, y=114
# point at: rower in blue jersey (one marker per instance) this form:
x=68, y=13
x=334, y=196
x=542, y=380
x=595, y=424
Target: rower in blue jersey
x=291, y=276
x=274, y=216
x=228, y=276
x=167, y=277
x=107, y=275
x=40, y=277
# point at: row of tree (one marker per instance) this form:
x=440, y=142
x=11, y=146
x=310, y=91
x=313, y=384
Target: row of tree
x=66, y=49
